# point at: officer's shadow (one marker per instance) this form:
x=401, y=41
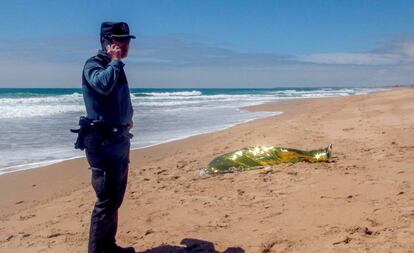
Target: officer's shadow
x=192, y=246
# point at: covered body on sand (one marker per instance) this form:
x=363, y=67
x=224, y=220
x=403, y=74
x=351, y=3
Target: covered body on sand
x=256, y=157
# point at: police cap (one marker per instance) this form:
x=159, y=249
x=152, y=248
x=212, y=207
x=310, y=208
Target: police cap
x=116, y=30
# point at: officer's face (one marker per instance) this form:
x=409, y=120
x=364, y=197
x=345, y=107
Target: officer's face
x=123, y=44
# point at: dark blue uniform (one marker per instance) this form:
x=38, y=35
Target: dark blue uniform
x=106, y=91
x=107, y=99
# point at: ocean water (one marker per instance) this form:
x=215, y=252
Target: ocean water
x=35, y=123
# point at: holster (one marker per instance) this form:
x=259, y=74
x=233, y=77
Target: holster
x=84, y=127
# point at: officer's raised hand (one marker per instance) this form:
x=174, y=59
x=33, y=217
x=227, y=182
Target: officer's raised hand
x=114, y=52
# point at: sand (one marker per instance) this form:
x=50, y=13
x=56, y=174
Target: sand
x=362, y=201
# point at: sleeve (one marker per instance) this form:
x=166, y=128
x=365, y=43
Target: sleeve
x=102, y=79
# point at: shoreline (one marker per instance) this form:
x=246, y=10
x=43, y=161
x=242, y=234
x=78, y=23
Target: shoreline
x=367, y=186
x=40, y=164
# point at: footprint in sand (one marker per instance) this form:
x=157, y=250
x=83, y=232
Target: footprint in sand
x=26, y=217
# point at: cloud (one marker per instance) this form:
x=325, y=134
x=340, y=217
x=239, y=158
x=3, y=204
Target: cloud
x=404, y=47
x=181, y=61
x=393, y=53
x=352, y=59
x=178, y=52
x=292, y=75
x=59, y=49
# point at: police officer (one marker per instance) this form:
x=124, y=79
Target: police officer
x=107, y=140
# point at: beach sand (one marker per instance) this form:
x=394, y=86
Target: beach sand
x=362, y=201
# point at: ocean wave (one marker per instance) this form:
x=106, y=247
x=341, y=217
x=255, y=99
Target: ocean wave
x=45, y=99
x=216, y=97
x=165, y=103
x=170, y=94
x=25, y=111
x=325, y=92
x=294, y=93
x=39, y=106
x=212, y=100
x=243, y=99
x=21, y=94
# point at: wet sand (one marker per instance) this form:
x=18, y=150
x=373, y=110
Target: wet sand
x=362, y=201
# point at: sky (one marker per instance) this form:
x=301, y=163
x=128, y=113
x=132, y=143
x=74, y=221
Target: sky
x=214, y=44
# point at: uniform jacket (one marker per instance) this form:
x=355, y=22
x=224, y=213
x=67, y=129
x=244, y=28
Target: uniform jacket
x=106, y=91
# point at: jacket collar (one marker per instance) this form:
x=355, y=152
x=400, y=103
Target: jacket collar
x=102, y=54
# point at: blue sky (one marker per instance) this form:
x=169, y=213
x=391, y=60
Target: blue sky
x=214, y=43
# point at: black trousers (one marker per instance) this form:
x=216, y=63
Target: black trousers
x=108, y=159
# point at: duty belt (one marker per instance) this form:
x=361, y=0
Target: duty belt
x=86, y=125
